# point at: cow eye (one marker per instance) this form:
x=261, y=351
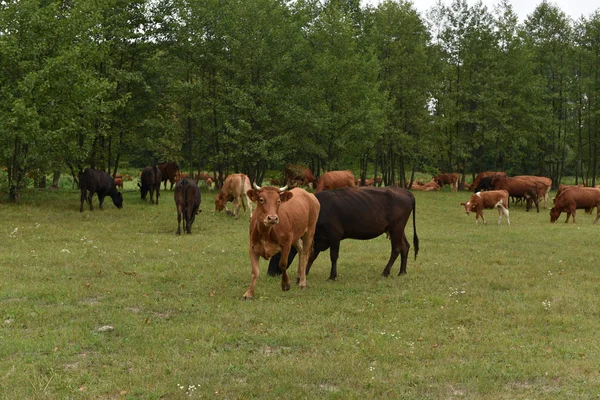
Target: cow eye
x=261, y=200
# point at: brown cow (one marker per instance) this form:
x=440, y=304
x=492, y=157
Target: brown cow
x=448, y=179
x=335, y=179
x=544, y=186
x=292, y=173
x=520, y=188
x=282, y=219
x=118, y=182
x=187, y=200
x=169, y=172
x=572, y=199
x=488, y=200
x=150, y=182
x=234, y=189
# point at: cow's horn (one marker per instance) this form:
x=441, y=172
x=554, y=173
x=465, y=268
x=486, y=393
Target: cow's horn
x=256, y=186
x=283, y=189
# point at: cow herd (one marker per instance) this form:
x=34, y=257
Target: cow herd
x=286, y=222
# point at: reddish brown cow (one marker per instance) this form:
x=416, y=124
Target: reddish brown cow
x=486, y=201
x=335, y=179
x=543, y=188
x=519, y=188
x=282, y=219
x=448, y=179
x=485, y=174
x=150, y=182
x=234, y=189
x=118, y=182
x=169, y=172
x=572, y=199
x=292, y=173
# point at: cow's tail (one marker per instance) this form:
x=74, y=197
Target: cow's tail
x=415, y=237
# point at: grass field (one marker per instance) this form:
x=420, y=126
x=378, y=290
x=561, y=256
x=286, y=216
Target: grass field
x=112, y=304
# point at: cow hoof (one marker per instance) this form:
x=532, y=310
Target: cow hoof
x=228, y=212
x=247, y=298
x=332, y=278
x=285, y=287
x=385, y=274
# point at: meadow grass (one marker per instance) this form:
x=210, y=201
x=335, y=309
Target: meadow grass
x=485, y=312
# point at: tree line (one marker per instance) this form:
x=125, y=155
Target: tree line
x=251, y=85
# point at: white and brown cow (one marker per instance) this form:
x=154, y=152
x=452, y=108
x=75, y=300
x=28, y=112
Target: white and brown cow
x=282, y=219
x=234, y=189
x=486, y=201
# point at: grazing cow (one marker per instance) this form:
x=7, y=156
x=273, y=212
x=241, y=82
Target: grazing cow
x=488, y=200
x=234, y=189
x=293, y=173
x=118, y=182
x=169, y=172
x=572, y=199
x=150, y=182
x=482, y=175
x=187, y=200
x=519, y=188
x=335, y=179
x=544, y=185
x=363, y=213
x=377, y=181
x=448, y=179
x=94, y=181
x=282, y=219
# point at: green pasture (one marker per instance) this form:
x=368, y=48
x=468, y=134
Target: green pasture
x=112, y=304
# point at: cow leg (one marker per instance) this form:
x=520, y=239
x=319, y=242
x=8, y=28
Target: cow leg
x=334, y=253
x=311, y=259
x=83, y=198
x=568, y=216
x=404, y=247
x=597, y=215
x=255, y=272
x=151, y=195
x=480, y=213
x=179, y=219
x=101, y=198
x=303, y=259
x=396, y=242
x=236, y=207
x=89, y=199
x=574, y=212
x=506, y=213
x=285, y=278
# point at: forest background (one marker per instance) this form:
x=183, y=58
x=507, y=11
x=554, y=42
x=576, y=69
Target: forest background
x=251, y=85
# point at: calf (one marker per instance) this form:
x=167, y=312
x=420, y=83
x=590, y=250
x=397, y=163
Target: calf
x=234, y=189
x=335, y=179
x=362, y=213
x=572, y=199
x=94, y=181
x=282, y=219
x=486, y=201
x=187, y=200
x=150, y=182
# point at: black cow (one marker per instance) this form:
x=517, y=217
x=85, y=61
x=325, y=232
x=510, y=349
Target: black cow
x=486, y=183
x=150, y=182
x=187, y=200
x=169, y=172
x=101, y=183
x=361, y=213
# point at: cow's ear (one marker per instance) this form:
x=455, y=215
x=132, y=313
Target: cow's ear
x=252, y=195
x=463, y=204
x=285, y=196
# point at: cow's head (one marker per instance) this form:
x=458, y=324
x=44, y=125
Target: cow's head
x=467, y=206
x=220, y=202
x=118, y=200
x=554, y=214
x=268, y=199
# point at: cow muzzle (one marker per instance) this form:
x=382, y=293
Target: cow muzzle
x=271, y=220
